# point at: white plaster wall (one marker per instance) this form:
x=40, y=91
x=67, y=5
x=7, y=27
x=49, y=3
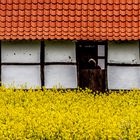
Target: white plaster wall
x=20, y=76
x=123, y=52
x=29, y=51
x=60, y=51
x=61, y=76
x=123, y=77
x=20, y=51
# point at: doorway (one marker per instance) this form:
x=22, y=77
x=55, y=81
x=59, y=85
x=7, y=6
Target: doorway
x=91, y=63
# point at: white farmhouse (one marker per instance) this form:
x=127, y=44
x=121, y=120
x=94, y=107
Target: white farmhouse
x=70, y=44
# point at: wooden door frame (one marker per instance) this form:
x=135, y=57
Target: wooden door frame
x=96, y=43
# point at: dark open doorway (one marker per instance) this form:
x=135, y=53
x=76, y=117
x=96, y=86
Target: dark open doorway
x=91, y=60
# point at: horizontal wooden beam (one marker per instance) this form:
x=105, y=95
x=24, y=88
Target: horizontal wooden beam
x=101, y=57
x=45, y=63
x=123, y=64
x=60, y=63
x=20, y=63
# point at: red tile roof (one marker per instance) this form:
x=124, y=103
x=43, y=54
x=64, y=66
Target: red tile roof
x=70, y=19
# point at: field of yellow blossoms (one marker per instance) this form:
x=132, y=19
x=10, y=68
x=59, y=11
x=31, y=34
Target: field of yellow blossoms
x=69, y=115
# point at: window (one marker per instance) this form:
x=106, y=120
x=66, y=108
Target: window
x=38, y=63
x=91, y=49
x=123, y=65
x=101, y=56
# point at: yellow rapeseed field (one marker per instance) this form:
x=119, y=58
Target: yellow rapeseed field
x=69, y=115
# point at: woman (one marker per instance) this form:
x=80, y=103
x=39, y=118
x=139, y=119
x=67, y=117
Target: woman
x=93, y=64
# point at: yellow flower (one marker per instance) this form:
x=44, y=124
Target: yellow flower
x=66, y=114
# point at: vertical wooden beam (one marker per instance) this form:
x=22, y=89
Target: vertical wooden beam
x=96, y=45
x=106, y=59
x=42, y=63
x=77, y=63
x=0, y=65
x=139, y=49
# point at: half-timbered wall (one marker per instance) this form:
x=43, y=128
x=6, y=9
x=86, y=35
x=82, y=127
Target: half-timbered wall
x=20, y=63
x=53, y=64
x=60, y=64
x=38, y=63
x=123, y=65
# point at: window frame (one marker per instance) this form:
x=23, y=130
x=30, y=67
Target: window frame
x=96, y=43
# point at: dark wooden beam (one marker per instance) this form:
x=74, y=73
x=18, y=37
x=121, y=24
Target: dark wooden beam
x=8, y=63
x=0, y=64
x=42, y=59
x=123, y=64
x=77, y=61
x=106, y=56
x=60, y=63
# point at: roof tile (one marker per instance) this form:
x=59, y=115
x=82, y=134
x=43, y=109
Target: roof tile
x=70, y=19
x=3, y=7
